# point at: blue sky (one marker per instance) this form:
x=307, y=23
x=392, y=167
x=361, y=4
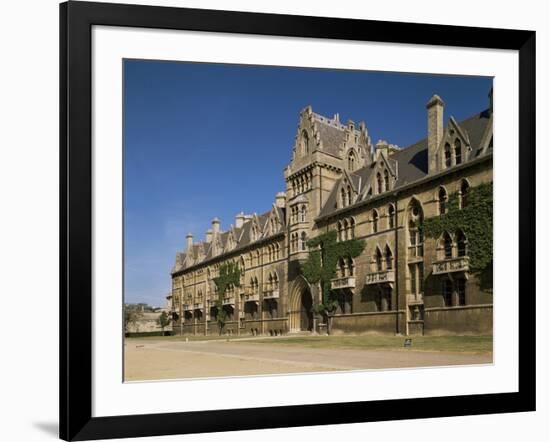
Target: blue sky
x=206, y=140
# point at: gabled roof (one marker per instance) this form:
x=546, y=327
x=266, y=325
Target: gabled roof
x=412, y=161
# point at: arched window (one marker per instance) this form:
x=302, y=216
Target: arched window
x=378, y=260
x=341, y=268
x=442, y=199
x=391, y=216
x=379, y=183
x=340, y=233
x=461, y=243
x=374, y=221
x=386, y=180
x=343, y=197
x=416, y=237
x=303, y=214
x=447, y=246
x=303, y=238
x=447, y=155
x=389, y=258
x=351, y=161
x=345, y=227
x=350, y=195
x=277, y=250
x=294, y=193
x=458, y=151
x=351, y=228
x=464, y=190
x=305, y=143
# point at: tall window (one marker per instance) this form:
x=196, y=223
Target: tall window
x=343, y=197
x=351, y=234
x=464, y=190
x=391, y=216
x=461, y=243
x=416, y=278
x=386, y=180
x=340, y=231
x=374, y=221
x=442, y=196
x=447, y=246
x=303, y=214
x=389, y=258
x=458, y=151
x=378, y=260
x=345, y=230
x=305, y=143
x=303, y=241
x=379, y=182
x=416, y=236
x=351, y=161
x=447, y=155
x=350, y=195
x=341, y=268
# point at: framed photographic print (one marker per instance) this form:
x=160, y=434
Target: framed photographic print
x=273, y=220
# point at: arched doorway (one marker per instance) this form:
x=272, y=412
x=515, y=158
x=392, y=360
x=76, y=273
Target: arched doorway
x=300, y=307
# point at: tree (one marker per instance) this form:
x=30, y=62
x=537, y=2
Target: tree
x=131, y=316
x=163, y=321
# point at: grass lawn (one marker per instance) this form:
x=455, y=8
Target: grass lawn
x=462, y=344
x=470, y=344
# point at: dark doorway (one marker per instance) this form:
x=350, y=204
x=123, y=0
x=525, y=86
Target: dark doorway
x=306, y=315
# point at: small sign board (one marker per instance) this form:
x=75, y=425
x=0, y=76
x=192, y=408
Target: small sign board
x=408, y=342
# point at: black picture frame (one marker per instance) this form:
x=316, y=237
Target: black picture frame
x=76, y=21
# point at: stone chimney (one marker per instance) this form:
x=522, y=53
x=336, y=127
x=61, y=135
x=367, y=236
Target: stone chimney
x=381, y=147
x=215, y=226
x=239, y=220
x=435, y=130
x=336, y=118
x=209, y=235
x=189, y=239
x=280, y=200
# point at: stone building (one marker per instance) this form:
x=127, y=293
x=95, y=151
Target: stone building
x=403, y=282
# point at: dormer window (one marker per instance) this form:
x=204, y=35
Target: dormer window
x=379, y=183
x=351, y=161
x=447, y=155
x=458, y=151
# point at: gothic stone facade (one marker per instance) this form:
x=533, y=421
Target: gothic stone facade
x=337, y=180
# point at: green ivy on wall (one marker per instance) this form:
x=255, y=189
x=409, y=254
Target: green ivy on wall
x=320, y=267
x=229, y=274
x=476, y=221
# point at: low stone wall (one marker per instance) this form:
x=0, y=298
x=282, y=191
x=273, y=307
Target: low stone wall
x=251, y=327
x=275, y=327
x=463, y=320
x=364, y=323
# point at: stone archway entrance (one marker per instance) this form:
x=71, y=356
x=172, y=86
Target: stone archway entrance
x=301, y=302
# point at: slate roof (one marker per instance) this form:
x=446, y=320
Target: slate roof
x=242, y=236
x=333, y=134
x=412, y=161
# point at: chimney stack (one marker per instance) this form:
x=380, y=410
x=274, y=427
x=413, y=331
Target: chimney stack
x=239, y=220
x=381, y=146
x=435, y=130
x=209, y=235
x=189, y=239
x=280, y=200
x=215, y=226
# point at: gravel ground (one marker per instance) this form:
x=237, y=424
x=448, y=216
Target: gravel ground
x=150, y=360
